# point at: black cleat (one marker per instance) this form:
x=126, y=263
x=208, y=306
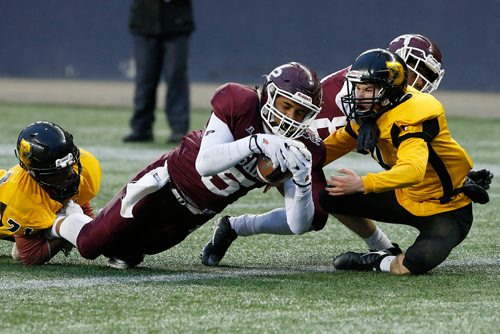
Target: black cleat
x=120, y=263
x=364, y=261
x=216, y=248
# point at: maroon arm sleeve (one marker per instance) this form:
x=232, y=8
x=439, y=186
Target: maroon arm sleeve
x=88, y=210
x=36, y=249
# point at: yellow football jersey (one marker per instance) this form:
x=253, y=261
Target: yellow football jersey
x=26, y=208
x=419, y=156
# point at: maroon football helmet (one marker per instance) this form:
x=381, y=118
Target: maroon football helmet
x=422, y=56
x=298, y=83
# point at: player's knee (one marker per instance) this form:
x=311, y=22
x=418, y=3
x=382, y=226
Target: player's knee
x=300, y=229
x=421, y=261
x=84, y=244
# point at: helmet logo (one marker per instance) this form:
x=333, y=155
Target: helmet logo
x=65, y=161
x=303, y=97
x=354, y=74
x=396, y=72
x=24, y=152
x=277, y=72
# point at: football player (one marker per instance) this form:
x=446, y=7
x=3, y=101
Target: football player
x=425, y=72
x=427, y=181
x=424, y=59
x=52, y=174
x=186, y=187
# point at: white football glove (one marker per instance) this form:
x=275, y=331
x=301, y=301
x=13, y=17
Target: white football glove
x=71, y=208
x=272, y=146
x=299, y=162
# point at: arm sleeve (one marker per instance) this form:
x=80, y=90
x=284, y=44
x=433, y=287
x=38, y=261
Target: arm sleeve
x=36, y=249
x=338, y=144
x=219, y=151
x=88, y=210
x=299, y=208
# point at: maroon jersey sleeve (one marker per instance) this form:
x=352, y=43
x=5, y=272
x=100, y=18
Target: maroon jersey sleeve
x=239, y=107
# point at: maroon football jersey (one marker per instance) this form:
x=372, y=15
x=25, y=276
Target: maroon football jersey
x=239, y=107
x=331, y=116
x=159, y=219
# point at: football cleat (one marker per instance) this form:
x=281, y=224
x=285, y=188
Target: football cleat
x=222, y=238
x=364, y=261
x=117, y=263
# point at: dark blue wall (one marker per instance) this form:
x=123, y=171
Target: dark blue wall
x=240, y=40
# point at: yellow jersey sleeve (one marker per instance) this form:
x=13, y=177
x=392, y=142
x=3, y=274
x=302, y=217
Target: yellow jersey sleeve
x=339, y=143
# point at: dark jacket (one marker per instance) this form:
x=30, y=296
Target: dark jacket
x=161, y=17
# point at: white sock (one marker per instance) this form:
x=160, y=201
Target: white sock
x=378, y=240
x=71, y=226
x=385, y=264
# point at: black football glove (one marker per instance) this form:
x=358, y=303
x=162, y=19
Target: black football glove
x=367, y=137
x=476, y=184
x=481, y=177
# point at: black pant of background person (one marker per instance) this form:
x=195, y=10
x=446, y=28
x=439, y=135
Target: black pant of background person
x=154, y=56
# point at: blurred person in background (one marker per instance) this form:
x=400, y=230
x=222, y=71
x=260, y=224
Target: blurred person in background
x=53, y=177
x=161, y=31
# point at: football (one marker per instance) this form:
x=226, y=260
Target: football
x=268, y=174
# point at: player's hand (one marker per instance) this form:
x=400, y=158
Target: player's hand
x=347, y=183
x=481, y=177
x=72, y=208
x=299, y=162
x=272, y=146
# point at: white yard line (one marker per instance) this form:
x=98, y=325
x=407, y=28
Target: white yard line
x=70, y=283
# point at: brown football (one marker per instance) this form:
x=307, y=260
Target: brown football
x=268, y=174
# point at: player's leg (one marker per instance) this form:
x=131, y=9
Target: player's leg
x=439, y=234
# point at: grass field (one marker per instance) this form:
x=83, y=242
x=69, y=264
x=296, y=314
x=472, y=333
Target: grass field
x=268, y=284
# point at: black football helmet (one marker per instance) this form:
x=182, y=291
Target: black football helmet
x=423, y=57
x=386, y=71
x=298, y=83
x=47, y=152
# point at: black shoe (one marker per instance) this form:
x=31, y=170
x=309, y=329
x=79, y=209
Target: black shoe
x=117, y=263
x=216, y=248
x=364, y=261
x=175, y=137
x=138, y=137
